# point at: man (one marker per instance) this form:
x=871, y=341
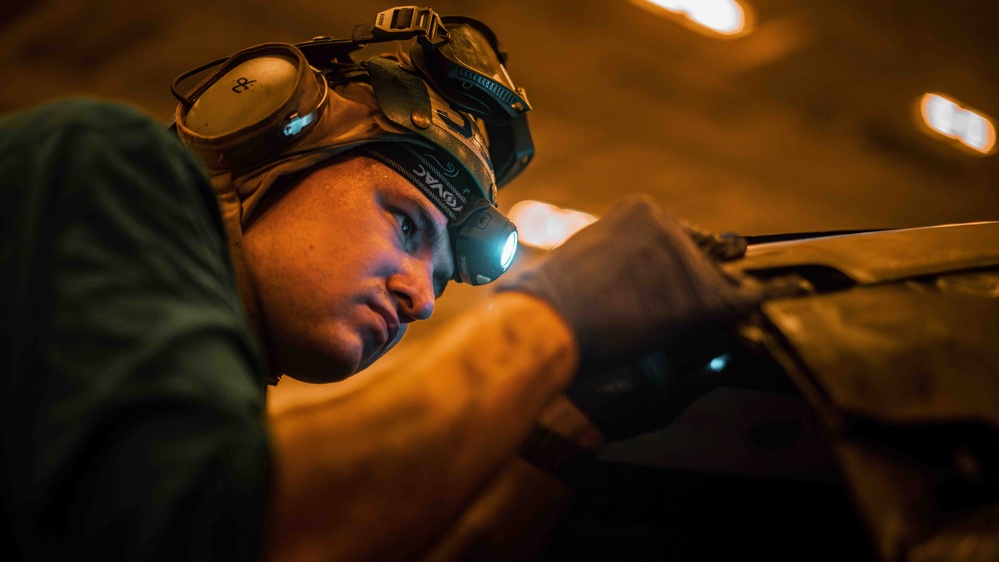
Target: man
x=140, y=325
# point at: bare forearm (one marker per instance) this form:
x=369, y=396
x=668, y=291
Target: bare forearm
x=386, y=464
x=512, y=517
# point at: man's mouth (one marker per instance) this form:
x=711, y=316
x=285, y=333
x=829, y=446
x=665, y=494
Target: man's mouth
x=391, y=324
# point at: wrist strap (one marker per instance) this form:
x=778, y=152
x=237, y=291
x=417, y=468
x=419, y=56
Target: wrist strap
x=557, y=455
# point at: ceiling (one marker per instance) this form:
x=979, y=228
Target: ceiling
x=804, y=124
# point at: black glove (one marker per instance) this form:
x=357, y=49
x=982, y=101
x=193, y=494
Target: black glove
x=631, y=281
x=649, y=392
x=635, y=282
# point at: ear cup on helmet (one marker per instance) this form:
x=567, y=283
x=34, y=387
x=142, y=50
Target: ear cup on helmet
x=248, y=93
x=253, y=107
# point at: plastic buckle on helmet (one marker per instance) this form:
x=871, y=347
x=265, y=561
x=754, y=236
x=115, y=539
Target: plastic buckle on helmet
x=404, y=22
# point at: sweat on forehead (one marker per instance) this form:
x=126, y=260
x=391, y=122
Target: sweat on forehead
x=444, y=181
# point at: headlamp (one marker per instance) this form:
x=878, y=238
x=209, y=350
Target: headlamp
x=278, y=108
x=485, y=243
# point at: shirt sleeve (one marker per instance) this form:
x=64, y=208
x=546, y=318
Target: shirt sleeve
x=133, y=412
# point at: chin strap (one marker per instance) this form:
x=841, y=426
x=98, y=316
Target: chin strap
x=232, y=213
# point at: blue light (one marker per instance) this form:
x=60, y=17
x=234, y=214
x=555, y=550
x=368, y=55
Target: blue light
x=509, y=250
x=718, y=363
x=296, y=124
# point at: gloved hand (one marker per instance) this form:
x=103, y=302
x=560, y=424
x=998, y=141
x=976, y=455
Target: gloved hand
x=647, y=393
x=638, y=281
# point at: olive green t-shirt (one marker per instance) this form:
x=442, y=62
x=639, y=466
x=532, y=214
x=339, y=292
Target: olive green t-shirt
x=133, y=395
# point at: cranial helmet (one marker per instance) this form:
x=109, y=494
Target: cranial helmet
x=445, y=115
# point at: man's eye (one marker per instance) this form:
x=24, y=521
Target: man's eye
x=406, y=225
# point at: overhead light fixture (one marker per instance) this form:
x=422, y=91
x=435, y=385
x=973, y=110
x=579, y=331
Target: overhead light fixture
x=724, y=17
x=546, y=226
x=948, y=118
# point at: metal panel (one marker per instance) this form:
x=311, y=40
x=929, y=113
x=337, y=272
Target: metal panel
x=877, y=257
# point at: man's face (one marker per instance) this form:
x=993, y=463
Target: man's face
x=342, y=261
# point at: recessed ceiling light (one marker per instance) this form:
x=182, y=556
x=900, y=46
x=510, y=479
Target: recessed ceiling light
x=948, y=118
x=727, y=17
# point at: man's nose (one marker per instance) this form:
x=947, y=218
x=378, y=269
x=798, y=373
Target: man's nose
x=413, y=290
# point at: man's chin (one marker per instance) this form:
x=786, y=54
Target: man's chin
x=314, y=377
x=319, y=368
x=322, y=367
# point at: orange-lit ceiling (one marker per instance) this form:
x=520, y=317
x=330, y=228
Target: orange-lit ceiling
x=807, y=122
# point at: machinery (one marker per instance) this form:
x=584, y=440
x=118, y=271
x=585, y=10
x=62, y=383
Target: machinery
x=859, y=419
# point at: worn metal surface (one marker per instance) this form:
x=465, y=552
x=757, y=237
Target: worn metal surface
x=903, y=368
x=879, y=257
x=898, y=354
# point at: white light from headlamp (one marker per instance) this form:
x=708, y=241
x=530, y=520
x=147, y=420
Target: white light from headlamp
x=509, y=250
